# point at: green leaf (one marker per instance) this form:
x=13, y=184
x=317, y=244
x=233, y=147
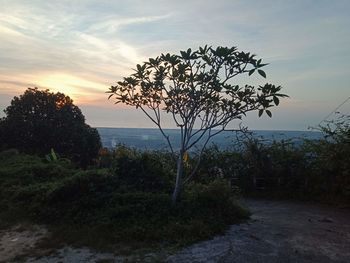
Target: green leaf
x=260, y=112
x=251, y=71
x=262, y=73
x=269, y=113
x=262, y=65
x=276, y=100
x=53, y=155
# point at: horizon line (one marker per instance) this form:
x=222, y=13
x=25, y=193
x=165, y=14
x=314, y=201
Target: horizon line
x=155, y=128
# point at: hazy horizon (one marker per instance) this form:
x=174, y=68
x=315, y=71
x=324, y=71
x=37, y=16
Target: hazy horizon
x=151, y=138
x=156, y=128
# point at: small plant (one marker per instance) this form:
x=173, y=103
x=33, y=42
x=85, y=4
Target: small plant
x=52, y=156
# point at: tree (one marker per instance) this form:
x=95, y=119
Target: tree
x=40, y=120
x=195, y=88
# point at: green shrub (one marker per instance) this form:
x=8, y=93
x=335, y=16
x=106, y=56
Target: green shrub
x=107, y=202
x=25, y=181
x=216, y=163
x=143, y=170
x=328, y=162
x=215, y=198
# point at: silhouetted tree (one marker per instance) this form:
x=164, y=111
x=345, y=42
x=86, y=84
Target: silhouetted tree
x=194, y=87
x=40, y=120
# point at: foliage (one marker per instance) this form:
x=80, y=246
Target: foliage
x=96, y=205
x=39, y=121
x=329, y=160
x=139, y=170
x=216, y=197
x=316, y=170
x=24, y=180
x=144, y=171
x=196, y=88
x=277, y=166
x=217, y=163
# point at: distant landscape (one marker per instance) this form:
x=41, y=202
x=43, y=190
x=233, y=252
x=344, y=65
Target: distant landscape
x=152, y=139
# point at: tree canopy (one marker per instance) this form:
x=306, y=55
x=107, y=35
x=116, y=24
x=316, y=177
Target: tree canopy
x=196, y=88
x=40, y=120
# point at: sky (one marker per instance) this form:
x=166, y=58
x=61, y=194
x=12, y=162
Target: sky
x=81, y=48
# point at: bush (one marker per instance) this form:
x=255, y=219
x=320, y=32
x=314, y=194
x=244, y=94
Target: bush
x=278, y=166
x=216, y=163
x=215, y=198
x=21, y=169
x=142, y=170
x=25, y=180
x=99, y=204
x=316, y=170
x=328, y=162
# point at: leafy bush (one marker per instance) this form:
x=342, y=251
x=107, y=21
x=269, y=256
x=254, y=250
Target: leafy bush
x=278, y=166
x=215, y=198
x=315, y=170
x=25, y=179
x=140, y=170
x=216, y=163
x=106, y=204
x=20, y=169
x=284, y=169
x=328, y=161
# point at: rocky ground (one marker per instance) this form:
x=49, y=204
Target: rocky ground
x=278, y=231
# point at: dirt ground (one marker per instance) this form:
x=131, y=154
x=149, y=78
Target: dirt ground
x=278, y=231
x=19, y=241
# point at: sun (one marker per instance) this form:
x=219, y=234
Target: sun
x=77, y=88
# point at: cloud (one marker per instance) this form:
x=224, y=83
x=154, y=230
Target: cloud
x=38, y=49
x=83, y=47
x=111, y=25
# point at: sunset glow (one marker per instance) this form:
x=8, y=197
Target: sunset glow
x=77, y=88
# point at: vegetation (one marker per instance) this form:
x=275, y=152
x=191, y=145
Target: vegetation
x=39, y=121
x=125, y=197
x=195, y=88
x=329, y=161
x=315, y=170
x=126, y=201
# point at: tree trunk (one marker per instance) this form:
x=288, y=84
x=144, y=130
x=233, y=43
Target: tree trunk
x=179, y=174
